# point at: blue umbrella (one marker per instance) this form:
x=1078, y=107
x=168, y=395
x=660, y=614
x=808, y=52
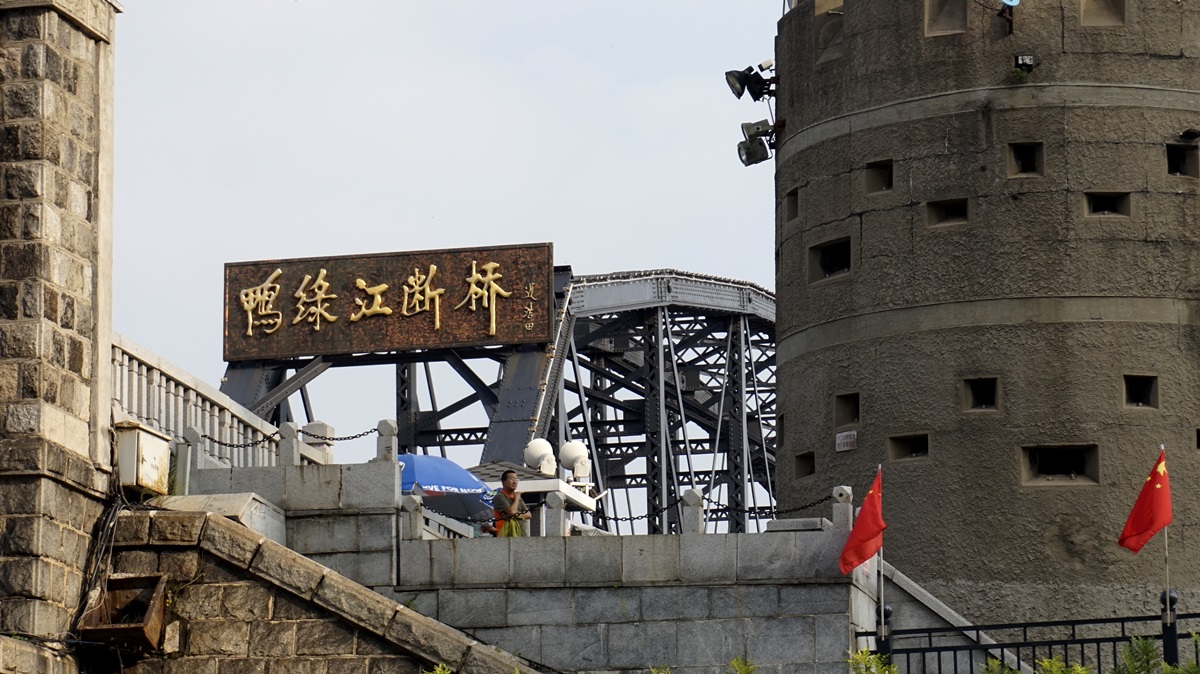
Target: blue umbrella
x=446, y=487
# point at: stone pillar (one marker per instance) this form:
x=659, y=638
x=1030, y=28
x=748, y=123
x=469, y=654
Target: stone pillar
x=55, y=302
x=316, y=436
x=386, y=445
x=289, y=444
x=555, y=521
x=693, y=512
x=412, y=520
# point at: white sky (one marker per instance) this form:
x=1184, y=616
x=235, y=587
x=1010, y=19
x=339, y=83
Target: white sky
x=264, y=129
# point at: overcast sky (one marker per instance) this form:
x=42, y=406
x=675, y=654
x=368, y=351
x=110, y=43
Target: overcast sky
x=258, y=129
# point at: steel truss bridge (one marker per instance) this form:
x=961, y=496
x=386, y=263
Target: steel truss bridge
x=668, y=377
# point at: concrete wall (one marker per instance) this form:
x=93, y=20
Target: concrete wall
x=55, y=258
x=1055, y=302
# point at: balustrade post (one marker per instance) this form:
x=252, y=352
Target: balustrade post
x=411, y=518
x=289, y=444
x=386, y=445
x=693, y=512
x=555, y=522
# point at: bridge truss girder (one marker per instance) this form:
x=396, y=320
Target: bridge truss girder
x=667, y=377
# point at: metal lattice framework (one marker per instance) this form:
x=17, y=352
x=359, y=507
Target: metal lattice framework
x=668, y=377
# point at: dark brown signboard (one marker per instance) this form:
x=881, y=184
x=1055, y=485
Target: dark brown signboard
x=389, y=302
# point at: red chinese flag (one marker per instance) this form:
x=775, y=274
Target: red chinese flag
x=867, y=535
x=1151, y=511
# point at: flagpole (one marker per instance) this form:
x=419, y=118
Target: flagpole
x=882, y=618
x=1166, y=550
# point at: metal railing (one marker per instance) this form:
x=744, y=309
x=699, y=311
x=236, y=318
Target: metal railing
x=1096, y=644
x=164, y=397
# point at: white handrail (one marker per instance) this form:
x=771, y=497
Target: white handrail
x=163, y=396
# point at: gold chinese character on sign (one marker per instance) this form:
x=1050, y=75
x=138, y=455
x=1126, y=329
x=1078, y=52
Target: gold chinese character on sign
x=529, y=292
x=313, y=302
x=258, y=303
x=419, y=295
x=376, y=307
x=527, y=311
x=529, y=327
x=485, y=288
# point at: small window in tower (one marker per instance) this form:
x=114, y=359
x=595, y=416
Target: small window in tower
x=877, y=177
x=1102, y=12
x=982, y=393
x=1141, y=391
x=1063, y=465
x=902, y=447
x=947, y=212
x=829, y=259
x=1183, y=161
x=791, y=205
x=1114, y=204
x=845, y=409
x=1198, y=438
x=806, y=464
x=1025, y=160
x=945, y=17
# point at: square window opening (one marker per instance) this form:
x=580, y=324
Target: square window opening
x=1141, y=391
x=1108, y=204
x=877, y=177
x=903, y=447
x=982, y=393
x=806, y=464
x=1198, y=438
x=791, y=205
x=1183, y=161
x=1025, y=160
x=1062, y=465
x=829, y=259
x=845, y=409
x=948, y=212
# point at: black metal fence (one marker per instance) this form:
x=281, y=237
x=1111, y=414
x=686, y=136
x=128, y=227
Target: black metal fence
x=1096, y=644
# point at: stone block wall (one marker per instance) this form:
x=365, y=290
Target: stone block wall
x=693, y=602
x=55, y=241
x=241, y=603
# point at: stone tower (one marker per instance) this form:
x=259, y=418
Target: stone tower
x=987, y=245
x=55, y=260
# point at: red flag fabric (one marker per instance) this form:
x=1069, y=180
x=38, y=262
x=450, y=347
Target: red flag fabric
x=1152, y=510
x=867, y=535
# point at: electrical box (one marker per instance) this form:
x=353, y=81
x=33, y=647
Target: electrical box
x=143, y=458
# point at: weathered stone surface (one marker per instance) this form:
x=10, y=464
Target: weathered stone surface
x=355, y=602
x=323, y=637
x=428, y=639
x=246, y=601
x=169, y=528
x=230, y=541
x=486, y=660
x=180, y=565
x=218, y=637
x=288, y=569
x=272, y=639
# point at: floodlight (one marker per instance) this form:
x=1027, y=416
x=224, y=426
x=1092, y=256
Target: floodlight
x=1190, y=134
x=742, y=81
x=753, y=151
x=573, y=456
x=539, y=455
x=759, y=129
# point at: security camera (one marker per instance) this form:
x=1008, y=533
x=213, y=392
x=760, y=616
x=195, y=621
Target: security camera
x=769, y=64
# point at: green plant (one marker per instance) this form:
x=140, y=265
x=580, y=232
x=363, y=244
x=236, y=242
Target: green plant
x=740, y=665
x=1140, y=656
x=1055, y=665
x=440, y=669
x=660, y=670
x=866, y=662
x=994, y=666
x=1019, y=75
